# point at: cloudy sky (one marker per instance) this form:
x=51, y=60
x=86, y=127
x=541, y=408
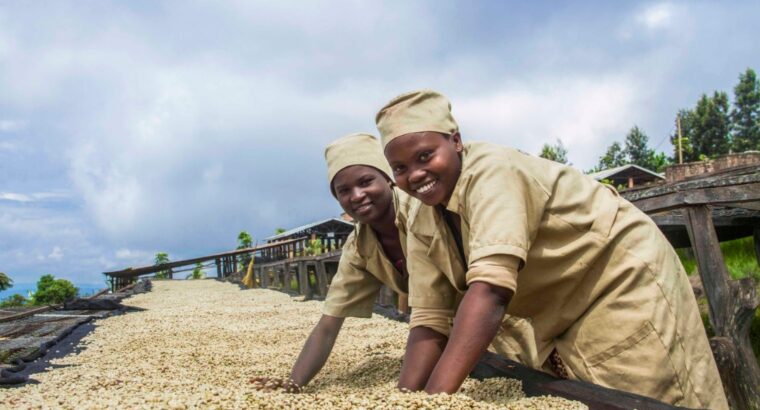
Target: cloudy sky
x=128, y=128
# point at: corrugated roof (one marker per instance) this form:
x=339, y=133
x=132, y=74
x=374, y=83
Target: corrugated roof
x=305, y=227
x=612, y=171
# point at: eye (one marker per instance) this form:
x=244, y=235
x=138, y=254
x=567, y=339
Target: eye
x=425, y=156
x=366, y=181
x=398, y=169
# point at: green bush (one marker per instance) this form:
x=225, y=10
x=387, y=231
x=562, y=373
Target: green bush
x=13, y=301
x=52, y=291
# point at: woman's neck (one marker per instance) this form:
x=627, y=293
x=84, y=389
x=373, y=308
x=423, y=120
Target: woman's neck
x=385, y=226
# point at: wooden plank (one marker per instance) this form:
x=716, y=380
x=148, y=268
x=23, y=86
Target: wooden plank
x=537, y=383
x=725, y=178
x=701, y=196
x=732, y=306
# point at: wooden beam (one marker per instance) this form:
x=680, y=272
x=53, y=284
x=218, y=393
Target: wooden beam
x=143, y=270
x=537, y=383
x=735, y=195
x=732, y=306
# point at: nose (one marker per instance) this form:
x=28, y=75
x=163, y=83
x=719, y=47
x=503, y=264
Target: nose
x=417, y=175
x=357, y=195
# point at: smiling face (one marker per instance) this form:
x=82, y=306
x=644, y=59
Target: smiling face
x=364, y=193
x=426, y=164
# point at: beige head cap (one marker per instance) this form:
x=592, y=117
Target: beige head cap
x=416, y=111
x=355, y=149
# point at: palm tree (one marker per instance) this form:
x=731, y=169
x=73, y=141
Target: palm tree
x=5, y=281
x=197, y=272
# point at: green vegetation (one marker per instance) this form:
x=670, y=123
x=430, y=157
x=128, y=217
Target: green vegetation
x=52, y=291
x=557, y=152
x=314, y=247
x=197, y=272
x=636, y=151
x=13, y=301
x=244, y=241
x=5, y=281
x=741, y=262
x=738, y=254
x=161, y=258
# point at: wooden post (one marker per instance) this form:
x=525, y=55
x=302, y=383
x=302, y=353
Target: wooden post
x=303, y=280
x=218, y=268
x=732, y=307
x=321, y=279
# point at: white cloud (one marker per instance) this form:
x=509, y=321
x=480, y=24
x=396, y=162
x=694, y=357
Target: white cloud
x=56, y=253
x=581, y=111
x=131, y=254
x=33, y=197
x=11, y=125
x=11, y=196
x=657, y=16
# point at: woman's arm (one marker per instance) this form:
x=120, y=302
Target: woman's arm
x=423, y=349
x=475, y=325
x=316, y=350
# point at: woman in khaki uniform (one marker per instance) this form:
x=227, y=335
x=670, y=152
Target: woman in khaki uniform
x=589, y=274
x=372, y=256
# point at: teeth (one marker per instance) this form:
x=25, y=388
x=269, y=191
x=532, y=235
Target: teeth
x=425, y=188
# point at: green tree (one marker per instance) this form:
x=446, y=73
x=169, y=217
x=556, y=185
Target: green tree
x=557, y=152
x=5, y=281
x=14, y=300
x=278, y=231
x=745, y=116
x=636, y=148
x=244, y=241
x=162, y=258
x=52, y=291
x=711, y=125
x=197, y=272
x=614, y=157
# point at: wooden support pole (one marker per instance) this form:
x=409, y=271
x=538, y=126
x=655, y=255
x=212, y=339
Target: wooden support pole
x=321, y=279
x=732, y=307
x=303, y=280
x=218, y=268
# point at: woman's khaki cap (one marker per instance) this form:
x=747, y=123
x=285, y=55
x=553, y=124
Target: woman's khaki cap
x=416, y=111
x=355, y=149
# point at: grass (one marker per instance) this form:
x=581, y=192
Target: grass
x=738, y=254
x=741, y=261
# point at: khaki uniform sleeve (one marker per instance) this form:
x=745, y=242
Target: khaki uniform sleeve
x=497, y=270
x=353, y=290
x=436, y=319
x=428, y=286
x=503, y=207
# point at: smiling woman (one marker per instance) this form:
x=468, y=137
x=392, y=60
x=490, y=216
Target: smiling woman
x=561, y=255
x=373, y=255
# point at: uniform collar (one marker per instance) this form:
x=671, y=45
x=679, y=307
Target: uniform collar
x=456, y=200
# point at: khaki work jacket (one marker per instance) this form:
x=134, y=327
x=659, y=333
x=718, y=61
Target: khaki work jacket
x=593, y=276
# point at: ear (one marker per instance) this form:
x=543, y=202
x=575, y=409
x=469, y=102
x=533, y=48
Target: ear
x=457, y=140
